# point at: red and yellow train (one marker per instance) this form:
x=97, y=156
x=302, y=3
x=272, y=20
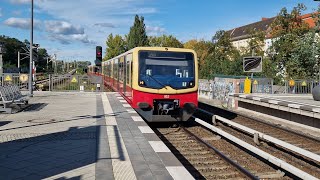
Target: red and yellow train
x=160, y=83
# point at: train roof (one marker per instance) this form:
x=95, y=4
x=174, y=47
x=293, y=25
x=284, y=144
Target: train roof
x=155, y=49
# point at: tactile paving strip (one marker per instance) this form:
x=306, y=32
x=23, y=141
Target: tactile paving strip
x=35, y=137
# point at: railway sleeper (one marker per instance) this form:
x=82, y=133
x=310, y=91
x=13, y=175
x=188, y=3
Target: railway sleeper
x=195, y=153
x=194, y=148
x=212, y=168
x=207, y=161
x=195, y=158
x=270, y=175
x=223, y=175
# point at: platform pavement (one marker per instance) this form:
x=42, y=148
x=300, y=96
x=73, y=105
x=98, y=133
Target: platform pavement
x=82, y=136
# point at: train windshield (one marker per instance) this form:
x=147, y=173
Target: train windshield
x=158, y=69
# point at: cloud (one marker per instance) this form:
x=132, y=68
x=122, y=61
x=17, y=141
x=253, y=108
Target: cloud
x=0, y=12
x=16, y=13
x=155, y=30
x=108, y=25
x=62, y=27
x=22, y=23
x=93, y=16
x=137, y=11
x=68, y=39
x=20, y=1
x=119, y=13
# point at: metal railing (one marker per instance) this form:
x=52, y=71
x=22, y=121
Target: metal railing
x=299, y=86
x=13, y=79
x=75, y=83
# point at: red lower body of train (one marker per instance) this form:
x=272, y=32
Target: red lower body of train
x=156, y=107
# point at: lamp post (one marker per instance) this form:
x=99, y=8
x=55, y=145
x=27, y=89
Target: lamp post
x=1, y=61
x=31, y=53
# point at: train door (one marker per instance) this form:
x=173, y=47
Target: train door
x=128, y=60
x=124, y=75
x=121, y=74
x=117, y=74
x=108, y=73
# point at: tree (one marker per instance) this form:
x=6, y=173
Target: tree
x=164, y=41
x=41, y=60
x=224, y=55
x=10, y=57
x=137, y=35
x=287, y=29
x=115, y=46
x=203, y=49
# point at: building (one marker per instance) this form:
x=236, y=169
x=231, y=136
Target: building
x=240, y=36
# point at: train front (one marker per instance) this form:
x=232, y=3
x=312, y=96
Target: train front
x=167, y=84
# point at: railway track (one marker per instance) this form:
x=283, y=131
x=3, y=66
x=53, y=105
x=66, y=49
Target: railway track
x=201, y=161
x=289, y=155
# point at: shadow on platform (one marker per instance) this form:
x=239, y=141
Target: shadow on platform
x=53, y=154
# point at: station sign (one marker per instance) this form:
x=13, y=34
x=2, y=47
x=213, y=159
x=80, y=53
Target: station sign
x=74, y=79
x=8, y=77
x=292, y=82
x=23, y=78
x=252, y=64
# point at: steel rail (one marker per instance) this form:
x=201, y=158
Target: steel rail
x=230, y=161
x=272, y=159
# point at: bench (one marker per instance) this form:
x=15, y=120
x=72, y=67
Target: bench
x=11, y=94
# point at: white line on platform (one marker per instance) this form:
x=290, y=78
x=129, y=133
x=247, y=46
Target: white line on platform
x=256, y=98
x=123, y=101
x=179, y=173
x=273, y=102
x=131, y=111
x=296, y=106
x=126, y=105
x=159, y=146
x=136, y=118
x=145, y=129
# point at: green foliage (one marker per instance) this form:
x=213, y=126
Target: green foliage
x=203, y=50
x=12, y=46
x=115, y=46
x=287, y=30
x=305, y=57
x=137, y=35
x=41, y=61
x=164, y=41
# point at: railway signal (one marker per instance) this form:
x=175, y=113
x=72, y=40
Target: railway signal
x=98, y=55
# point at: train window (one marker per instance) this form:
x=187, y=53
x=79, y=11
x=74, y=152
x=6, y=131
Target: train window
x=158, y=69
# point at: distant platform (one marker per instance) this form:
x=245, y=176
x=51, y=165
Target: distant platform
x=294, y=107
x=297, y=112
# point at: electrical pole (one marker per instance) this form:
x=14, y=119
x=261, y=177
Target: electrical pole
x=19, y=61
x=31, y=53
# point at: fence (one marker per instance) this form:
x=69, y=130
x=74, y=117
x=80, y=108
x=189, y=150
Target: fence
x=55, y=82
x=220, y=88
x=14, y=78
x=75, y=83
x=300, y=86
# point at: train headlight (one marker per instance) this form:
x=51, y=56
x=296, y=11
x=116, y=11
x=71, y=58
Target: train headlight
x=142, y=83
x=191, y=84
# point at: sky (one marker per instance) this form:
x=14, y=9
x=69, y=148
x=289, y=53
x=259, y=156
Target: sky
x=72, y=29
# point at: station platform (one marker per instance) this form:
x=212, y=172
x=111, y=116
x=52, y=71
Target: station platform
x=298, y=112
x=77, y=135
